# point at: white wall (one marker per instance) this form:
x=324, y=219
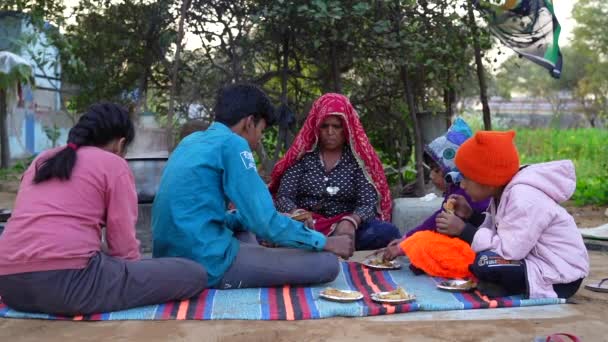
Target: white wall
x=41, y=105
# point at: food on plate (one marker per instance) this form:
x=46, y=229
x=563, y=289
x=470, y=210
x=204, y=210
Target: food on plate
x=331, y=292
x=397, y=294
x=380, y=262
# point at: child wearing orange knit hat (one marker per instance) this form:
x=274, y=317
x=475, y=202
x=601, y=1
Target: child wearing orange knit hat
x=528, y=243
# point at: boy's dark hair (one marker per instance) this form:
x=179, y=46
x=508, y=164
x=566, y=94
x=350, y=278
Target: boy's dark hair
x=101, y=123
x=238, y=101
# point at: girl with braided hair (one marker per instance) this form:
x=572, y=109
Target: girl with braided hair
x=51, y=259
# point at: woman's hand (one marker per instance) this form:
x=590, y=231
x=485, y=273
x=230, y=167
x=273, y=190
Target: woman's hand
x=340, y=245
x=462, y=208
x=346, y=228
x=449, y=224
x=310, y=223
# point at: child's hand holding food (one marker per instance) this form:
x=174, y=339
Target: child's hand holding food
x=459, y=206
x=449, y=224
x=392, y=251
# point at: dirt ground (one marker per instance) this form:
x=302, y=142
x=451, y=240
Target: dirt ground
x=7, y=199
x=8, y=192
x=588, y=216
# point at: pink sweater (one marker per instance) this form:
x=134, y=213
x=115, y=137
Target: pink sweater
x=530, y=225
x=57, y=224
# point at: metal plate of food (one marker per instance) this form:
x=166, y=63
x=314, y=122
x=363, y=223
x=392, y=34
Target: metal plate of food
x=380, y=264
x=397, y=296
x=457, y=285
x=340, y=295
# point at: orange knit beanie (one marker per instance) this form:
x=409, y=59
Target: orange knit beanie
x=489, y=158
x=439, y=255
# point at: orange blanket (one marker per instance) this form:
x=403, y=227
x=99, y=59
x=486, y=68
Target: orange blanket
x=439, y=255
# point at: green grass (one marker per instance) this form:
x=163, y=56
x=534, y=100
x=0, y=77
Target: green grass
x=14, y=172
x=587, y=148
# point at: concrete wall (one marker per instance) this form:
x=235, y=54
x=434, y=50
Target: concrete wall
x=408, y=213
x=148, y=143
x=32, y=108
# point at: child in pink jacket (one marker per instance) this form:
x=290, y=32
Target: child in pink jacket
x=528, y=243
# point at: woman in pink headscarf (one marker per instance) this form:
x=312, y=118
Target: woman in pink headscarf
x=333, y=172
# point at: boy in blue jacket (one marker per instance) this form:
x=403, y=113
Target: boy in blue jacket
x=210, y=169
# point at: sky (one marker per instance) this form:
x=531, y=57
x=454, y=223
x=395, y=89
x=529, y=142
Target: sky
x=563, y=11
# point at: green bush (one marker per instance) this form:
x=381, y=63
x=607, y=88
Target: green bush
x=587, y=148
x=14, y=172
x=592, y=190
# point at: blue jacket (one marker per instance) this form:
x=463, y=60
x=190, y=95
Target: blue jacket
x=207, y=171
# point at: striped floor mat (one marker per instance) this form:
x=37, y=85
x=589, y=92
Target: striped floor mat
x=298, y=303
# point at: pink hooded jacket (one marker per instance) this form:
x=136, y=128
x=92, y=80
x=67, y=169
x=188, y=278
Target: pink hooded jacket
x=530, y=225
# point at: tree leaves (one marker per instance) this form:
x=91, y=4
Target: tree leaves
x=13, y=70
x=116, y=49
